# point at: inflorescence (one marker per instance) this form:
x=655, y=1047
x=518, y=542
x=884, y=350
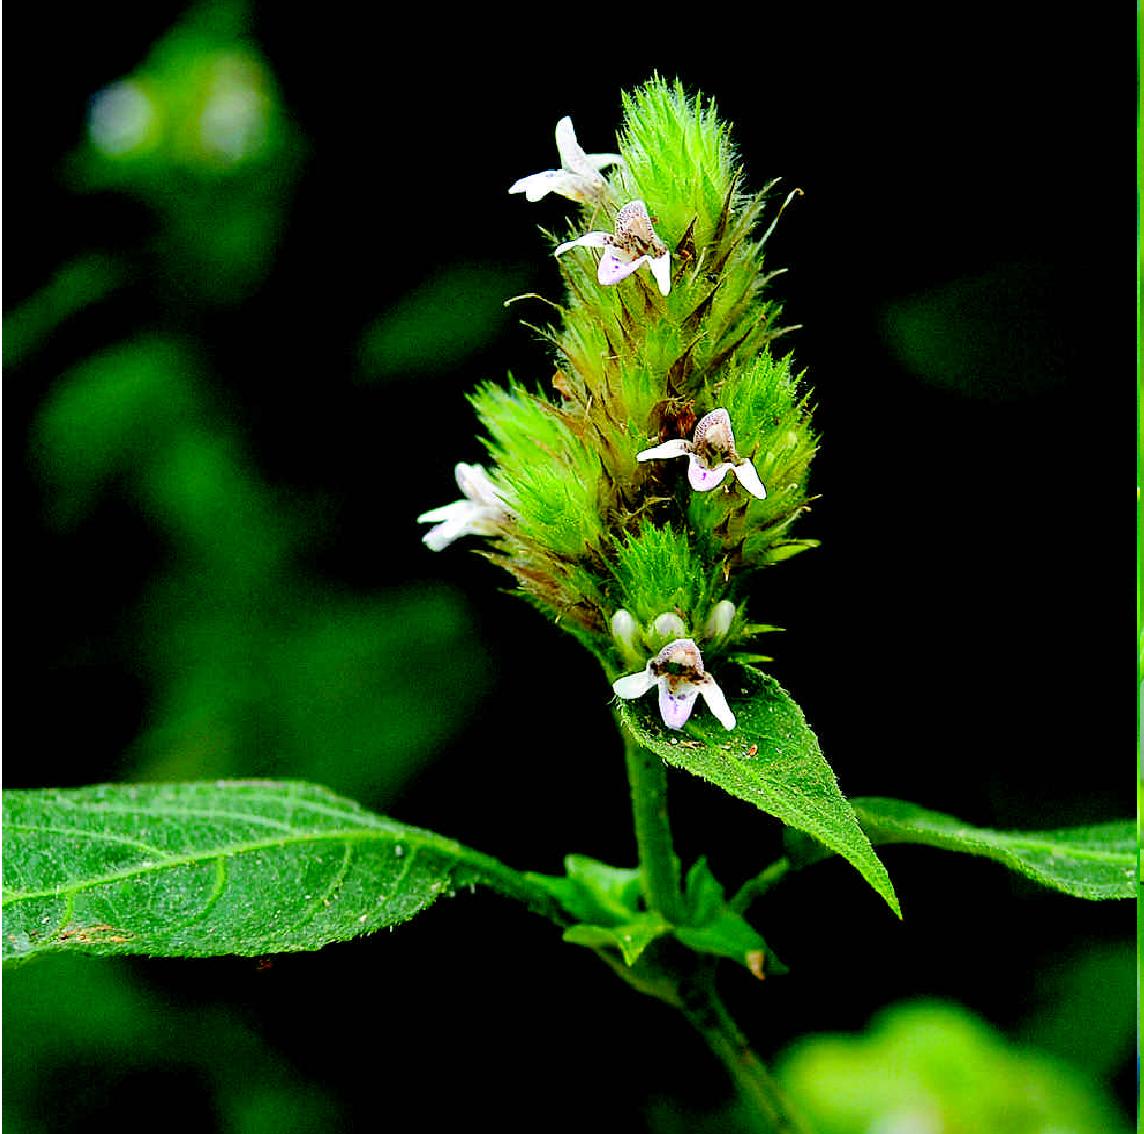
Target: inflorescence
x=581, y=501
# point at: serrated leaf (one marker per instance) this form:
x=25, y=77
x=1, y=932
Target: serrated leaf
x=234, y=867
x=770, y=759
x=1087, y=862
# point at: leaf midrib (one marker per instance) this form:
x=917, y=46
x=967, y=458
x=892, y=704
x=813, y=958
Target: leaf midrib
x=482, y=864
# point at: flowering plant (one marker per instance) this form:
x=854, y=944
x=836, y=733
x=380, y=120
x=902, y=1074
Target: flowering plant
x=656, y=568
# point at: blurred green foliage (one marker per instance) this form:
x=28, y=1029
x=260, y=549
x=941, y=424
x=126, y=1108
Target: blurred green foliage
x=929, y=1067
x=454, y=313
x=257, y=668
x=254, y=664
x=994, y=335
x=198, y=133
x=91, y=1045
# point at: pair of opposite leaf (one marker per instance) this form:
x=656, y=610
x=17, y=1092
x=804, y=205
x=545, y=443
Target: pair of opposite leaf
x=677, y=670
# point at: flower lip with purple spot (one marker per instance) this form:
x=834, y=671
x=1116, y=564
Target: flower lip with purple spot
x=678, y=674
x=711, y=455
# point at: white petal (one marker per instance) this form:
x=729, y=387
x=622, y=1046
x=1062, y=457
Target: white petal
x=676, y=448
x=719, y=620
x=566, y=142
x=573, y=157
x=438, y=538
x=588, y=240
x=624, y=626
x=537, y=185
x=624, y=632
x=635, y=684
x=676, y=707
x=669, y=626
x=661, y=269
x=459, y=509
x=717, y=703
x=474, y=482
x=703, y=480
x=614, y=268
x=749, y=479
x=601, y=161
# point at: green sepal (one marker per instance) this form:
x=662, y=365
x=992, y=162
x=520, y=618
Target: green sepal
x=770, y=759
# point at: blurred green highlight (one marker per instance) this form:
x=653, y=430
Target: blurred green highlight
x=459, y=310
x=935, y=1068
x=96, y=1048
x=199, y=135
x=991, y=336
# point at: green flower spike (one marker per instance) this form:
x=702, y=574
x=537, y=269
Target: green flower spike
x=581, y=503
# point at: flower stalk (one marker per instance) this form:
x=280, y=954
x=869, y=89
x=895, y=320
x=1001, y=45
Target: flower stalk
x=660, y=872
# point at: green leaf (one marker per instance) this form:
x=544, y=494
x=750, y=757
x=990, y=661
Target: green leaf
x=718, y=930
x=606, y=902
x=233, y=867
x=1086, y=862
x=771, y=759
x=630, y=938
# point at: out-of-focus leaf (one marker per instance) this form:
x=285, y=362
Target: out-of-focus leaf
x=770, y=759
x=991, y=336
x=114, y=414
x=453, y=314
x=354, y=692
x=78, y=284
x=130, y=1032
x=207, y=869
x=199, y=134
x=934, y=1066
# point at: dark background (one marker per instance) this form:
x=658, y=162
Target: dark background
x=961, y=639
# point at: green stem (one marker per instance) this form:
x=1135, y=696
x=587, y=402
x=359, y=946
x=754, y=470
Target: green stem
x=661, y=879
x=659, y=866
x=705, y=1010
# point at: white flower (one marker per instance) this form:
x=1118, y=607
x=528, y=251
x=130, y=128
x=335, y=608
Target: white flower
x=678, y=672
x=578, y=177
x=711, y=453
x=481, y=512
x=633, y=244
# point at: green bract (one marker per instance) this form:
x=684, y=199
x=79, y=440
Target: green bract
x=598, y=518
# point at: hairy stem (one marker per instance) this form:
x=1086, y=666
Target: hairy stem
x=659, y=866
x=705, y=1010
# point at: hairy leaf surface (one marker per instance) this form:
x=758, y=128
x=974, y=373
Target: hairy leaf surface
x=233, y=867
x=770, y=759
